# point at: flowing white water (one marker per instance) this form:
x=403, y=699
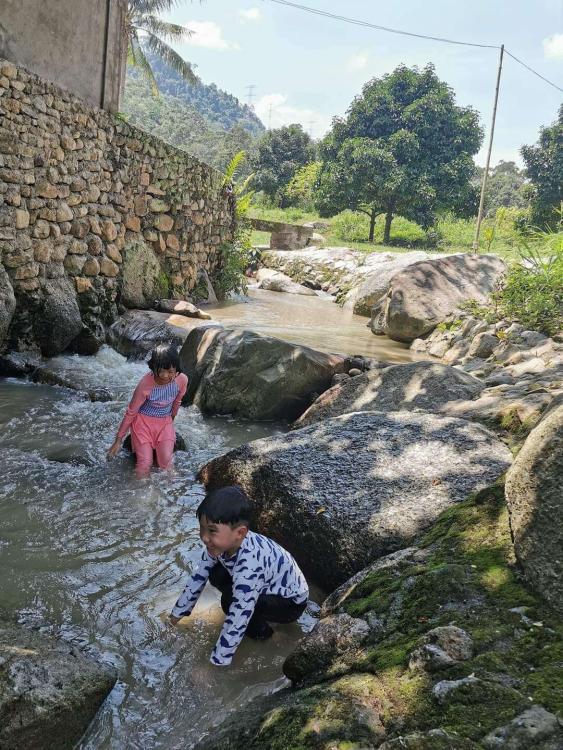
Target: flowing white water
x=90, y=553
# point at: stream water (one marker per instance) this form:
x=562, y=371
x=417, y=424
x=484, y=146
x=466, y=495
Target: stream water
x=92, y=555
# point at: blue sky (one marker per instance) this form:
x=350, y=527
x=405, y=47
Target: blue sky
x=308, y=69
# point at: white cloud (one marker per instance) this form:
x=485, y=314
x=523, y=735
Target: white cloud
x=208, y=34
x=357, y=62
x=251, y=14
x=553, y=47
x=274, y=111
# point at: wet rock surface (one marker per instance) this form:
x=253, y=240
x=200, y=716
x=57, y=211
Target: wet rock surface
x=251, y=375
x=426, y=386
x=137, y=332
x=346, y=491
x=7, y=305
x=49, y=691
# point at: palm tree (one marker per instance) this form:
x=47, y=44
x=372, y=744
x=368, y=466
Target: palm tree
x=144, y=27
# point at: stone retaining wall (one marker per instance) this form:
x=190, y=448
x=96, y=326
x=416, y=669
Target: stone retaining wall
x=78, y=187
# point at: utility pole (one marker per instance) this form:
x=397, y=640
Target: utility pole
x=311, y=123
x=486, y=172
x=250, y=94
x=270, y=107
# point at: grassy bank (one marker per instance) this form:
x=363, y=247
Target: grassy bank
x=451, y=235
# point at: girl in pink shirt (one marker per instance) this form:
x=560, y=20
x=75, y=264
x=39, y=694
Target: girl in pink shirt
x=149, y=416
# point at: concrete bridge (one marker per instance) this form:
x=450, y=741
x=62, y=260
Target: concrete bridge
x=284, y=236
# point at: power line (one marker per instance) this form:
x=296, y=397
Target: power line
x=366, y=24
x=250, y=95
x=535, y=72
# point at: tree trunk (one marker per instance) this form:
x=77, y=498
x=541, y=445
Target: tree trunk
x=387, y=232
x=372, y=218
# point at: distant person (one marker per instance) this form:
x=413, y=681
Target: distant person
x=150, y=414
x=259, y=581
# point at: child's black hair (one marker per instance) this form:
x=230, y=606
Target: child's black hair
x=163, y=357
x=226, y=505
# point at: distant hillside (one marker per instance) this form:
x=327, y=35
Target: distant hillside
x=204, y=120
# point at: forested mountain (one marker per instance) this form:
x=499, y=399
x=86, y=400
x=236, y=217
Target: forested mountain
x=204, y=120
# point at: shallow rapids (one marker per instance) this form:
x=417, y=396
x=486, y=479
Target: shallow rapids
x=91, y=554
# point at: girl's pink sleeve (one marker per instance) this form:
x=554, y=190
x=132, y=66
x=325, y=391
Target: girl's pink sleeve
x=139, y=396
x=182, y=381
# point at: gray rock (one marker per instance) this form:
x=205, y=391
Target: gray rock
x=330, y=638
x=254, y=376
x=279, y=282
x=137, y=332
x=426, y=293
x=143, y=279
x=535, y=503
x=49, y=691
x=344, y=492
x=425, y=386
x=181, y=307
x=442, y=647
x=483, y=345
x=362, y=298
x=534, y=729
x=435, y=739
x=7, y=304
x=445, y=689
x=56, y=320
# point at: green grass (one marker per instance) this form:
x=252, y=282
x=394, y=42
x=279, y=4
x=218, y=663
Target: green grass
x=451, y=235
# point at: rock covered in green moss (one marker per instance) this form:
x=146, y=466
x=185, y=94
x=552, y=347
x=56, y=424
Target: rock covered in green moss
x=330, y=638
x=435, y=739
x=534, y=493
x=341, y=493
x=534, y=729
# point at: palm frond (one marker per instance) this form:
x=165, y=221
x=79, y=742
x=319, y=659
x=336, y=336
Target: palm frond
x=152, y=6
x=143, y=64
x=171, y=58
x=232, y=167
x=172, y=31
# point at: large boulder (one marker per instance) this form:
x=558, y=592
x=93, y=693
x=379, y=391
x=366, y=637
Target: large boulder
x=534, y=493
x=57, y=320
x=363, y=297
x=142, y=277
x=279, y=282
x=425, y=386
x=49, y=691
x=254, y=376
x=137, y=332
x=181, y=307
x=344, y=492
x=426, y=293
x=7, y=304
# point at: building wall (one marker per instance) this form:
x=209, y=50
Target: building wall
x=77, y=44
x=78, y=189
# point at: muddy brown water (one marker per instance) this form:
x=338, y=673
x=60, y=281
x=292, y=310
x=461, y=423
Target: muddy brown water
x=98, y=558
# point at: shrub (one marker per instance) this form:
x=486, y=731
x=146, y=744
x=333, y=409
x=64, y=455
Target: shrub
x=350, y=226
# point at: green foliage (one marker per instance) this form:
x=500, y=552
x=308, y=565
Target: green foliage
x=506, y=187
x=533, y=289
x=301, y=189
x=544, y=167
x=350, y=226
x=280, y=153
x=208, y=123
x=236, y=255
x=142, y=20
x=405, y=147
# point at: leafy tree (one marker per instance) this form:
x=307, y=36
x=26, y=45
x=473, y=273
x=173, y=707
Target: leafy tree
x=404, y=148
x=544, y=167
x=301, y=189
x=142, y=20
x=507, y=187
x=280, y=153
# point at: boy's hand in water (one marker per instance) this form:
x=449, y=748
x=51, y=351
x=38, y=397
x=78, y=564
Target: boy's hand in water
x=114, y=449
